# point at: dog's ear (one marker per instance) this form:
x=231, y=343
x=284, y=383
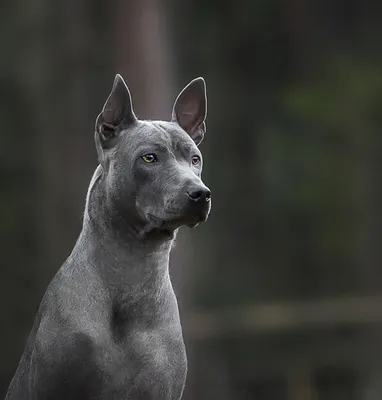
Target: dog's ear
x=118, y=109
x=190, y=109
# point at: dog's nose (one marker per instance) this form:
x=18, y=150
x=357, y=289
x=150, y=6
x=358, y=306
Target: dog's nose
x=199, y=194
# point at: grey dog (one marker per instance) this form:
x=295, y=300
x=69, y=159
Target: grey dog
x=108, y=326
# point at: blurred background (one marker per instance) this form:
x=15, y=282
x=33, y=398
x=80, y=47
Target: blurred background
x=281, y=290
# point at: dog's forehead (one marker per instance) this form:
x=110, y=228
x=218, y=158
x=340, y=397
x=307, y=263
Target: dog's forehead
x=163, y=133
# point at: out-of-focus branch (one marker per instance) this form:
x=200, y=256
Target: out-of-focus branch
x=284, y=316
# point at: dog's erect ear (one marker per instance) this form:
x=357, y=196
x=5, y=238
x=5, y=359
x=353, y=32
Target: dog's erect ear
x=118, y=109
x=190, y=109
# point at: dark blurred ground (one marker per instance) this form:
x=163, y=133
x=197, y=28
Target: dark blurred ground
x=281, y=291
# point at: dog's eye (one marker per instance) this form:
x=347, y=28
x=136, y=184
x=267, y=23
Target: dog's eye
x=195, y=160
x=149, y=158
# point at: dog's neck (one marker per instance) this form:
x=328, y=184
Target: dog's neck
x=131, y=262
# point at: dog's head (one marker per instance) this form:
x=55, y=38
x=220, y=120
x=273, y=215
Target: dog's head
x=152, y=169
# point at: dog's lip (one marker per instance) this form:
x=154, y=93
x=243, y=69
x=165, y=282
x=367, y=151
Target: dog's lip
x=193, y=219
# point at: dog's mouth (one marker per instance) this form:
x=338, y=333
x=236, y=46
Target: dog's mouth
x=173, y=220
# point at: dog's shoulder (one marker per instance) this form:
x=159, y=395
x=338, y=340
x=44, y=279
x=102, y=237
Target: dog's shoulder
x=72, y=311
x=62, y=363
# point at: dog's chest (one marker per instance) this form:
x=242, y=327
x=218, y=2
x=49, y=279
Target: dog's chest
x=148, y=364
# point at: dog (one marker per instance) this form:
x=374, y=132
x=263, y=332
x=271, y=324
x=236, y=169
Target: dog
x=108, y=326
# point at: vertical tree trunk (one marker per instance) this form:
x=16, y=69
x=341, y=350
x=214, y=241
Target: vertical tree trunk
x=299, y=383
x=143, y=56
x=367, y=249
x=65, y=150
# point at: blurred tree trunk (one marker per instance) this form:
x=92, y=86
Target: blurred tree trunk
x=65, y=151
x=299, y=383
x=300, y=23
x=367, y=166
x=367, y=249
x=143, y=56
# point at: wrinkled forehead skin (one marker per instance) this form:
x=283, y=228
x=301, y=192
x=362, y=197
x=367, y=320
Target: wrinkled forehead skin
x=153, y=136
